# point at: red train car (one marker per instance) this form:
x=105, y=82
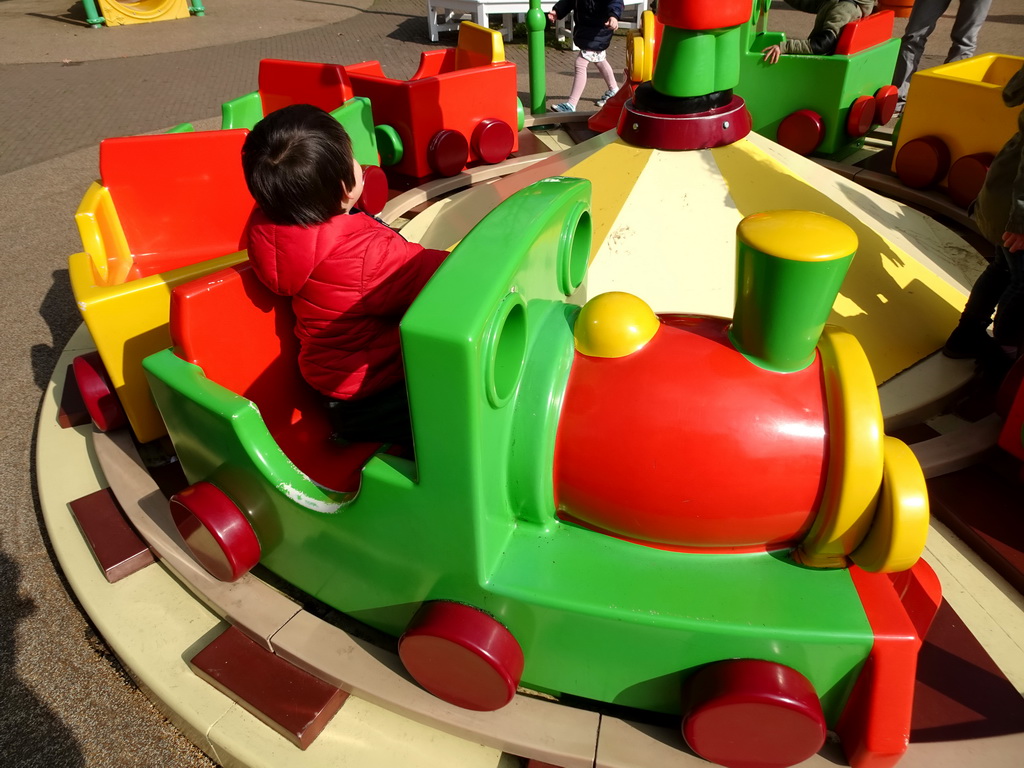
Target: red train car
x=460, y=106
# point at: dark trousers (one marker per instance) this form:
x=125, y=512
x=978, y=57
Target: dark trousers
x=382, y=417
x=1000, y=289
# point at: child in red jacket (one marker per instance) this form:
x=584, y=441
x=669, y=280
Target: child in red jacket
x=351, y=278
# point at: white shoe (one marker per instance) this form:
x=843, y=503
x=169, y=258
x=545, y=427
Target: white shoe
x=607, y=95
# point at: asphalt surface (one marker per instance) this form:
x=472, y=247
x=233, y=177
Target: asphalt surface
x=64, y=700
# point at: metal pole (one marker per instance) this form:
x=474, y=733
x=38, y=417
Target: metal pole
x=536, y=22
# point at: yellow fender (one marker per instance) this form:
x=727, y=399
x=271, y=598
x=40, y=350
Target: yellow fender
x=856, y=454
x=899, y=530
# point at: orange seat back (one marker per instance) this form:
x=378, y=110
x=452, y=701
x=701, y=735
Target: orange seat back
x=865, y=33
x=180, y=197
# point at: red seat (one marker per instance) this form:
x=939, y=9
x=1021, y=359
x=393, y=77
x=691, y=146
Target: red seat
x=283, y=83
x=242, y=336
x=865, y=33
x=180, y=197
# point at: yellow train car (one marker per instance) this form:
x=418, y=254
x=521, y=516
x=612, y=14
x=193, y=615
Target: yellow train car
x=954, y=123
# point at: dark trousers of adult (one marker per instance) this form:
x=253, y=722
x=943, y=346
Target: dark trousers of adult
x=970, y=15
x=999, y=289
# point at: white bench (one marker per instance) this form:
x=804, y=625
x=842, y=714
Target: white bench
x=445, y=15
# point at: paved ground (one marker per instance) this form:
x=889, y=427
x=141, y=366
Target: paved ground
x=63, y=86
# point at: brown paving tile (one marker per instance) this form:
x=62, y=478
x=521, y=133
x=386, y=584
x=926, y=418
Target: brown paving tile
x=288, y=699
x=71, y=410
x=985, y=507
x=961, y=694
x=117, y=547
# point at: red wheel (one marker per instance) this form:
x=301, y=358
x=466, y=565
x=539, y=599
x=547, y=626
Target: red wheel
x=98, y=392
x=886, y=99
x=861, y=117
x=801, y=131
x=448, y=152
x=748, y=713
x=922, y=161
x=216, y=531
x=966, y=177
x=493, y=140
x=462, y=655
x=375, y=190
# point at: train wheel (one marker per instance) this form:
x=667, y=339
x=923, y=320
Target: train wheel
x=448, y=152
x=801, y=131
x=922, y=161
x=216, y=531
x=462, y=655
x=98, y=392
x=861, y=116
x=493, y=140
x=375, y=190
x=966, y=177
x=389, y=145
x=886, y=99
x=747, y=713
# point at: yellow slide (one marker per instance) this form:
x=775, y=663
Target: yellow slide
x=117, y=13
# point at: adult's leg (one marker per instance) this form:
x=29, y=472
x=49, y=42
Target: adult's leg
x=923, y=17
x=964, y=37
x=1009, y=325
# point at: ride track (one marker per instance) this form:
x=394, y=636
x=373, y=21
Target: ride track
x=163, y=614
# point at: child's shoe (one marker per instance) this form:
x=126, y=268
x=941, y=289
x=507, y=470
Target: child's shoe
x=563, y=107
x=607, y=95
x=968, y=341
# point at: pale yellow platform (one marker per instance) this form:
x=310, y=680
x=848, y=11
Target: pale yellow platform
x=153, y=623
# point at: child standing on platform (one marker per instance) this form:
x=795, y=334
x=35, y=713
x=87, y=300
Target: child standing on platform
x=594, y=23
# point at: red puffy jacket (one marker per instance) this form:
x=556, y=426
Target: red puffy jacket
x=351, y=280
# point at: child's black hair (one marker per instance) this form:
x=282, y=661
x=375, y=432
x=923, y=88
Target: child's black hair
x=296, y=161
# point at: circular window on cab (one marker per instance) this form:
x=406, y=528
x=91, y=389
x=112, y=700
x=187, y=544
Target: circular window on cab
x=505, y=349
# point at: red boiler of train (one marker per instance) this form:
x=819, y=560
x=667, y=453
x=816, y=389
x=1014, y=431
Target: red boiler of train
x=705, y=434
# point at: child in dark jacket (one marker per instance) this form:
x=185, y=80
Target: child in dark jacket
x=351, y=278
x=999, y=214
x=594, y=23
x=830, y=16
